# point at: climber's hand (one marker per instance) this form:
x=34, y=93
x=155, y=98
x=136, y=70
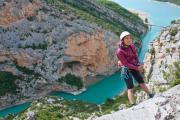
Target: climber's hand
x=141, y=68
x=119, y=64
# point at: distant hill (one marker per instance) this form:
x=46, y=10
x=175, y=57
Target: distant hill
x=177, y=2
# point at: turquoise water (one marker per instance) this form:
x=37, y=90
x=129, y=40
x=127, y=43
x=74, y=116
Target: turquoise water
x=100, y=91
x=160, y=14
x=14, y=109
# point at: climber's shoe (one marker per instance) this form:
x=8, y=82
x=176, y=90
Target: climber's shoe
x=151, y=95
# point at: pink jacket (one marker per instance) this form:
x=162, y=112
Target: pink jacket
x=128, y=56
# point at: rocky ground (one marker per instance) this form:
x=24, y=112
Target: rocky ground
x=165, y=106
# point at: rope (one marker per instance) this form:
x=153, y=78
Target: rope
x=155, y=25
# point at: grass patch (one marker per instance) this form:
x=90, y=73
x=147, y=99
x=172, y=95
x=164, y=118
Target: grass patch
x=175, y=82
x=162, y=89
x=113, y=104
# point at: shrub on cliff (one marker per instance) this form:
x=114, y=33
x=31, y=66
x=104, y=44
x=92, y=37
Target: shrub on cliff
x=175, y=82
x=174, y=31
x=7, y=83
x=72, y=80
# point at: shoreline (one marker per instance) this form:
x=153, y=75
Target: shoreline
x=40, y=96
x=169, y=3
x=23, y=101
x=143, y=15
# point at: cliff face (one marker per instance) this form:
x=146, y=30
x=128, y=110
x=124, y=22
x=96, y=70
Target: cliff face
x=92, y=58
x=40, y=44
x=15, y=10
x=162, y=62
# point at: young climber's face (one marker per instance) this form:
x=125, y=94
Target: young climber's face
x=127, y=40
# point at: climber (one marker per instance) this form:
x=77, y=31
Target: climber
x=130, y=65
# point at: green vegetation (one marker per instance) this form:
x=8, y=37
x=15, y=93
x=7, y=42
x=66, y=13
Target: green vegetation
x=146, y=20
x=72, y=80
x=31, y=18
x=84, y=12
x=177, y=72
x=168, y=50
x=8, y=117
x=31, y=73
x=174, y=74
x=7, y=81
x=25, y=36
x=113, y=104
x=152, y=51
x=62, y=109
x=175, y=82
x=34, y=47
x=120, y=10
x=66, y=109
x=177, y=2
x=162, y=89
x=174, y=31
x=173, y=21
x=27, y=71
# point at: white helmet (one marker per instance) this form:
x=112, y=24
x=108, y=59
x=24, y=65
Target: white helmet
x=124, y=34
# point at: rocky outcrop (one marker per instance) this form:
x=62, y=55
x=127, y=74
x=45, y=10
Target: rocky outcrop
x=20, y=58
x=40, y=44
x=162, y=60
x=165, y=106
x=134, y=25
x=15, y=10
x=92, y=57
x=41, y=53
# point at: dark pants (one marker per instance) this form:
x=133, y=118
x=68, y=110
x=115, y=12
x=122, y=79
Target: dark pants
x=127, y=76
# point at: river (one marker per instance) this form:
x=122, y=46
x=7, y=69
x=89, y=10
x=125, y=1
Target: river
x=159, y=13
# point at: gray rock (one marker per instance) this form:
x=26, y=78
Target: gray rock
x=162, y=107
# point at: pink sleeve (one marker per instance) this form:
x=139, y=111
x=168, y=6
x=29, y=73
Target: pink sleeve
x=123, y=60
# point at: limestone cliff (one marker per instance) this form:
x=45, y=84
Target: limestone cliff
x=15, y=10
x=163, y=59
x=42, y=41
